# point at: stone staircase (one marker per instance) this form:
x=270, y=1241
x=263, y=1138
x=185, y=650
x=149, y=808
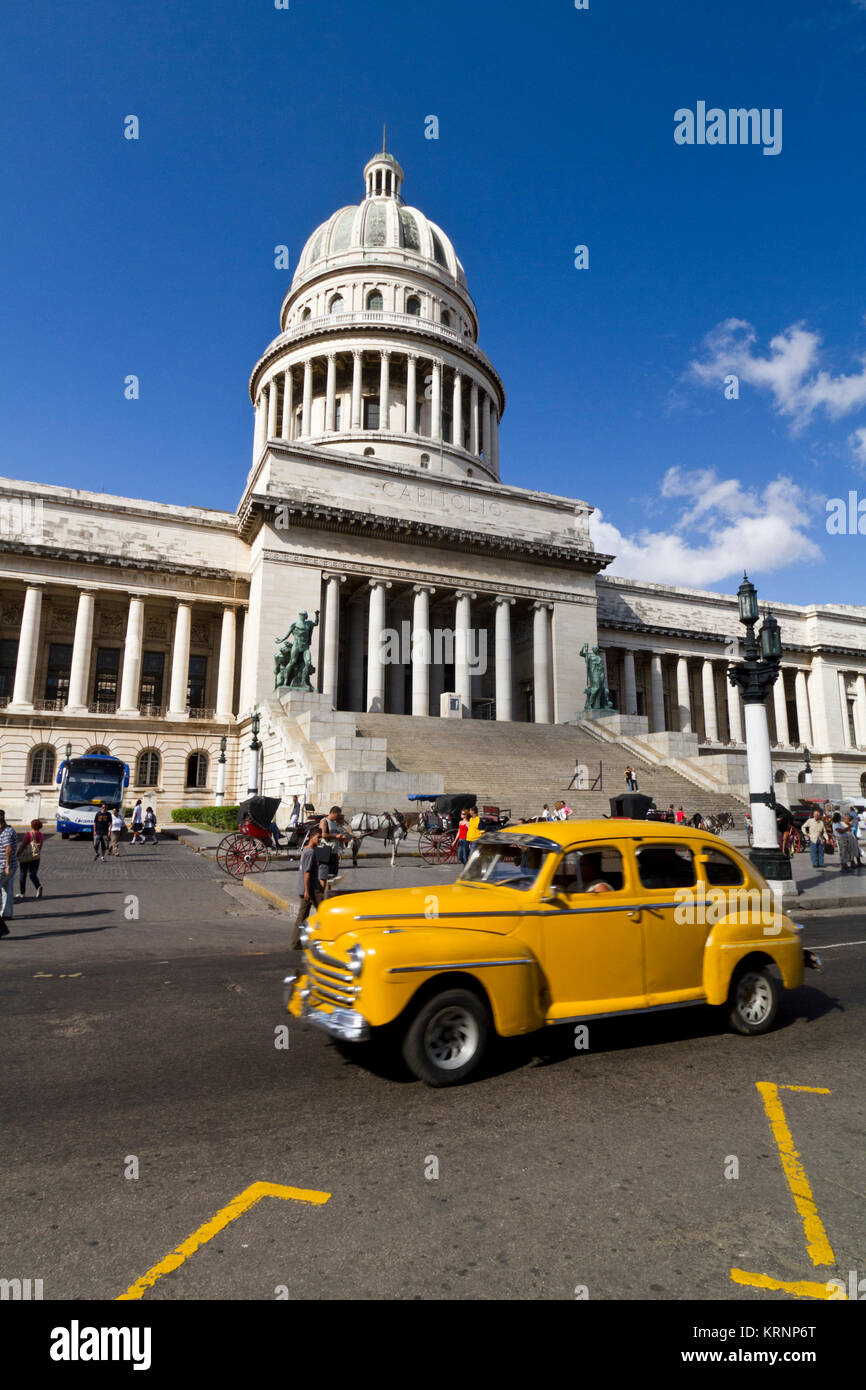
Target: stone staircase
x=522, y=766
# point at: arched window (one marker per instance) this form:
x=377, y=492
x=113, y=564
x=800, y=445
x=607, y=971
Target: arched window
x=43, y=761
x=781, y=776
x=147, y=770
x=375, y=301
x=424, y=460
x=336, y=305
x=369, y=453
x=307, y=312
x=196, y=770
x=863, y=783
x=445, y=319
x=413, y=305
x=97, y=753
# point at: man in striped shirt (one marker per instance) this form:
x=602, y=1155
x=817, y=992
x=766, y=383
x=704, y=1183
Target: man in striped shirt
x=8, y=869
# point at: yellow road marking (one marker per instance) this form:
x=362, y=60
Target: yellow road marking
x=818, y=1246
x=799, y=1288
x=217, y=1223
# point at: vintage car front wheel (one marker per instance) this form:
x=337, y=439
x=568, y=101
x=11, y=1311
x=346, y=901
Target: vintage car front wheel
x=754, y=1001
x=447, y=1037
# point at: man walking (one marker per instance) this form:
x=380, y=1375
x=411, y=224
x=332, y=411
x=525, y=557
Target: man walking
x=816, y=830
x=309, y=882
x=8, y=867
x=117, y=827
x=101, y=832
x=137, y=823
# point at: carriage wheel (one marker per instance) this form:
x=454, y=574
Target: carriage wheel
x=226, y=851
x=244, y=855
x=258, y=856
x=443, y=848
x=428, y=844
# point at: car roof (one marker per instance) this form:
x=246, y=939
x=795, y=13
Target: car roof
x=614, y=828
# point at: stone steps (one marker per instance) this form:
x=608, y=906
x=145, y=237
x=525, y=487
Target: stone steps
x=521, y=766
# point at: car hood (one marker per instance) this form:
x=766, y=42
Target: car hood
x=484, y=908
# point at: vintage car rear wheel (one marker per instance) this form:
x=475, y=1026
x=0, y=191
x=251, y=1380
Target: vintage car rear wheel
x=754, y=1001
x=447, y=1038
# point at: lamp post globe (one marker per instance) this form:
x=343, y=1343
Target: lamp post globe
x=255, y=746
x=755, y=676
x=219, y=795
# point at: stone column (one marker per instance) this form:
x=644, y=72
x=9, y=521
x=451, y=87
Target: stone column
x=474, y=430
x=629, y=682
x=684, y=704
x=288, y=404
x=436, y=402
x=82, y=646
x=494, y=440
x=657, y=693
x=259, y=427
x=357, y=636
x=384, y=389
x=357, y=376
x=226, y=674
x=411, y=393
x=485, y=428
x=504, y=674
x=804, y=722
x=330, y=664
x=177, y=706
x=735, y=712
x=711, y=722
x=462, y=632
x=272, y=408
x=843, y=701
x=421, y=649
x=130, y=680
x=457, y=412
x=307, y=409
x=331, y=394
x=28, y=650
x=781, y=709
x=540, y=659
x=375, y=663
x=860, y=711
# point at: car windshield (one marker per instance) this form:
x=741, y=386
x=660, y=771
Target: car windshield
x=505, y=863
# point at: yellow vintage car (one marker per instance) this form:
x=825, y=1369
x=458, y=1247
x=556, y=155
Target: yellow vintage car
x=550, y=924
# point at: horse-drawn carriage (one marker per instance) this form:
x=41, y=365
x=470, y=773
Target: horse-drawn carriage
x=439, y=817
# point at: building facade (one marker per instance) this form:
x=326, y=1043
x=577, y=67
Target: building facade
x=374, y=504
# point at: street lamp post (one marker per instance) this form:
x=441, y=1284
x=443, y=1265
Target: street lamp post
x=221, y=773
x=255, y=746
x=755, y=676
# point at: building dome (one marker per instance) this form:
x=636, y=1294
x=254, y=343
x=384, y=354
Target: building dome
x=378, y=346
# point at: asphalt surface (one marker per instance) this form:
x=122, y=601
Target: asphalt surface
x=151, y=1037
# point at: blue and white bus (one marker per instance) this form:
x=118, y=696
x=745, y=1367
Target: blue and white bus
x=84, y=784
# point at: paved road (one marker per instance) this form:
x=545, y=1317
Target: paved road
x=153, y=1038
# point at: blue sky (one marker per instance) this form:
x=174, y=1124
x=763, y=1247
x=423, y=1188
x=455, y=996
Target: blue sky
x=155, y=257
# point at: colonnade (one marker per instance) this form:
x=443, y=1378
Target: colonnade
x=129, y=701
x=462, y=410
x=423, y=642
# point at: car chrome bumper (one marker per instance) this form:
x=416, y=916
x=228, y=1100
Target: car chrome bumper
x=813, y=962
x=346, y=1024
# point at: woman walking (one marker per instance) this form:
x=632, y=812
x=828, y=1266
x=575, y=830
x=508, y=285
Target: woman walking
x=462, y=832
x=137, y=823
x=29, y=856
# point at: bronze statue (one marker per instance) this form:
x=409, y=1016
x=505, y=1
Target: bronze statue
x=595, y=690
x=293, y=664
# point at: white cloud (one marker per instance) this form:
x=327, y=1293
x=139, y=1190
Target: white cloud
x=720, y=529
x=790, y=371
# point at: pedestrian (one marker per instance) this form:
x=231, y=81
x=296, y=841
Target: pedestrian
x=333, y=830
x=8, y=865
x=309, y=881
x=101, y=832
x=854, y=831
x=816, y=831
x=671, y=814
x=150, y=825
x=29, y=854
x=294, y=813
x=474, y=831
x=136, y=824
x=681, y=816
x=118, y=825
x=845, y=843
x=545, y=813
x=462, y=832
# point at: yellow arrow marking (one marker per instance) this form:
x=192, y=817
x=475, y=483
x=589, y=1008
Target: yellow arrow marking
x=799, y=1288
x=244, y=1200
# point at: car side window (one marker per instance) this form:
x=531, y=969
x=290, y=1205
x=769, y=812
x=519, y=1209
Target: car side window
x=593, y=869
x=666, y=866
x=721, y=870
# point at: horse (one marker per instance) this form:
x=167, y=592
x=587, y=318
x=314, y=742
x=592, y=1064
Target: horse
x=390, y=826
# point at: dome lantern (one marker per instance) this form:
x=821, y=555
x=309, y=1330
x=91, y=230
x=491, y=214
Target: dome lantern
x=383, y=176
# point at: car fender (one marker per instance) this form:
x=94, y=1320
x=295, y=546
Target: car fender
x=738, y=936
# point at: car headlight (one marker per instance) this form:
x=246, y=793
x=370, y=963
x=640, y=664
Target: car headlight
x=356, y=959
x=304, y=936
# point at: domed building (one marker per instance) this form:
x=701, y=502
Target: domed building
x=378, y=352
x=428, y=592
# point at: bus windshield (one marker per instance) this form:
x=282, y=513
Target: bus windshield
x=88, y=781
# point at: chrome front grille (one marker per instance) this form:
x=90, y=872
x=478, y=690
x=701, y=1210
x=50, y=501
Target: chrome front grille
x=330, y=981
